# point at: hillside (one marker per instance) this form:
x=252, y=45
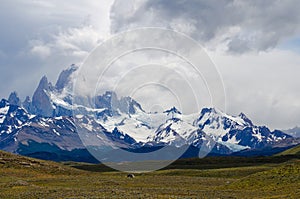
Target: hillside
x=284, y=177
x=292, y=151
x=22, y=165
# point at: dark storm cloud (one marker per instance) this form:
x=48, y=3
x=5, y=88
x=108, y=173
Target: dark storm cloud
x=240, y=25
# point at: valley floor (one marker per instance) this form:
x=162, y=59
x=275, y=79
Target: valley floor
x=29, y=178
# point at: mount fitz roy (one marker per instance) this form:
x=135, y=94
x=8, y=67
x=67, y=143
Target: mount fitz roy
x=49, y=126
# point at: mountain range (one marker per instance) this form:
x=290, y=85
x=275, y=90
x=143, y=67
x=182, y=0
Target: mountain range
x=52, y=126
x=295, y=132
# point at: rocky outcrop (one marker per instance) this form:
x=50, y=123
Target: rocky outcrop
x=41, y=101
x=14, y=99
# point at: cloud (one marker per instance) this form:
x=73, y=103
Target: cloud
x=173, y=62
x=265, y=86
x=41, y=51
x=76, y=43
x=43, y=37
x=257, y=25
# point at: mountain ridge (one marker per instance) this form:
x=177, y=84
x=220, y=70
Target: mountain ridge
x=122, y=122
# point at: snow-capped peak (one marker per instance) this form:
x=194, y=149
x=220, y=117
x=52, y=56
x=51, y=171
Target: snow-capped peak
x=209, y=115
x=14, y=99
x=172, y=110
x=245, y=118
x=124, y=120
x=173, y=113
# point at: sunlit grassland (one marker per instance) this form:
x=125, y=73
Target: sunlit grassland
x=29, y=178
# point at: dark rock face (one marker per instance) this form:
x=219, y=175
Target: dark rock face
x=42, y=104
x=3, y=103
x=111, y=102
x=129, y=105
x=14, y=99
x=117, y=135
x=246, y=119
x=108, y=100
x=64, y=77
x=41, y=100
x=27, y=104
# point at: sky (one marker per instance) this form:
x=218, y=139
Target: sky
x=255, y=45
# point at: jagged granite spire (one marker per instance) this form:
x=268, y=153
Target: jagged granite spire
x=13, y=99
x=45, y=84
x=111, y=101
x=41, y=101
x=27, y=104
x=245, y=118
x=64, y=77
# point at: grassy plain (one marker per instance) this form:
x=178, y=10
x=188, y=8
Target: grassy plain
x=214, y=177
